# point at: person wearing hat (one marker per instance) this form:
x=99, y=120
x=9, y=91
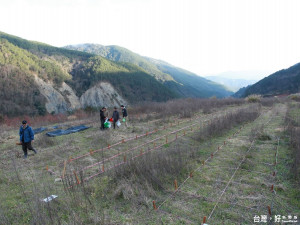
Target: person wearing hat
x=102, y=117
x=26, y=137
x=115, y=116
x=124, y=113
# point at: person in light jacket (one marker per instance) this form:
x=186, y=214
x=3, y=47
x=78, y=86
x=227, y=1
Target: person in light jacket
x=26, y=137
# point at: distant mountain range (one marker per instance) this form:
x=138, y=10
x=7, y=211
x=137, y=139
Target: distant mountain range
x=286, y=81
x=231, y=84
x=242, y=74
x=37, y=78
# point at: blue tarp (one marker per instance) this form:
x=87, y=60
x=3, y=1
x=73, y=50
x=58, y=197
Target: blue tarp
x=67, y=131
x=57, y=127
x=39, y=130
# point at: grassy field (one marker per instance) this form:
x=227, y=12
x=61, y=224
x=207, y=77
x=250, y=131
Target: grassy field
x=227, y=164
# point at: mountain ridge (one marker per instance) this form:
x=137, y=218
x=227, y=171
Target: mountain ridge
x=285, y=81
x=23, y=60
x=183, y=82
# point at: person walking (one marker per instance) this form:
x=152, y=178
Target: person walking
x=115, y=116
x=102, y=117
x=26, y=137
x=124, y=113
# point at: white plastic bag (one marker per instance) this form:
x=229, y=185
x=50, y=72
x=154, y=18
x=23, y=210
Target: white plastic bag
x=50, y=198
x=118, y=123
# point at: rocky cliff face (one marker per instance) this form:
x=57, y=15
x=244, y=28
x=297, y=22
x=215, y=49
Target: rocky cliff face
x=63, y=99
x=102, y=94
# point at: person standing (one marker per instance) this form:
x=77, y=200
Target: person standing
x=124, y=113
x=26, y=137
x=102, y=117
x=115, y=116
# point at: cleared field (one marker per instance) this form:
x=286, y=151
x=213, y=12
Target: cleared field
x=113, y=177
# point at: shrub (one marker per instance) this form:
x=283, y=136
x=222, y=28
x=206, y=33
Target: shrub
x=269, y=101
x=253, y=98
x=228, y=121
x=295, y=97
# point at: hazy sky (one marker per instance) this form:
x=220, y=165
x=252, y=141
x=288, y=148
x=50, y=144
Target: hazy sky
x=203, y=36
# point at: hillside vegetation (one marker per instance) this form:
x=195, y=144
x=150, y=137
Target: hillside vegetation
x=286, y=81
x=119, y=54
x=132, y=82
x=22, y=60
x=179, y=81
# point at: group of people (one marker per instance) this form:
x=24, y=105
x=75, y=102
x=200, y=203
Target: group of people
x=27, y=135
x=115, y=116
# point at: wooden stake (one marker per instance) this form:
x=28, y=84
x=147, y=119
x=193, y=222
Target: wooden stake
x=102, y=167
x=154, y=205
x=123, y=141
x=108, y=147
x=175, y=184
x=47, y=168
x=272, y=188
x=274, y=174
x=204, y=219
x=203, y=162
x=269, y=210
x=124, y=158
x=191, y=174
x=64, y=171
x=91, y=152
x=211, y=155
x=136, y=137
x=77, y=179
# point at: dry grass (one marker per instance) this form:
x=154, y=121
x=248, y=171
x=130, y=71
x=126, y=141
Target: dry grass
x=124, y=195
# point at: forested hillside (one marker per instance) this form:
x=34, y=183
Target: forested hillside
x=22, y=62
x=286, y=81
x=182, y=82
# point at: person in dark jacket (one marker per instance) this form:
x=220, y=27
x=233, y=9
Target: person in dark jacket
x=26, y=137
x=124, y=113
x=102, y=117
x=115, y=117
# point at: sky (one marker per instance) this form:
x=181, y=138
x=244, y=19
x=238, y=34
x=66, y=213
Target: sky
x=203, y=36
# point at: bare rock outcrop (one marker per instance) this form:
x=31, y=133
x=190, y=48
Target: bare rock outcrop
x=62, y=99
x=102, y=94
x=58, y=100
